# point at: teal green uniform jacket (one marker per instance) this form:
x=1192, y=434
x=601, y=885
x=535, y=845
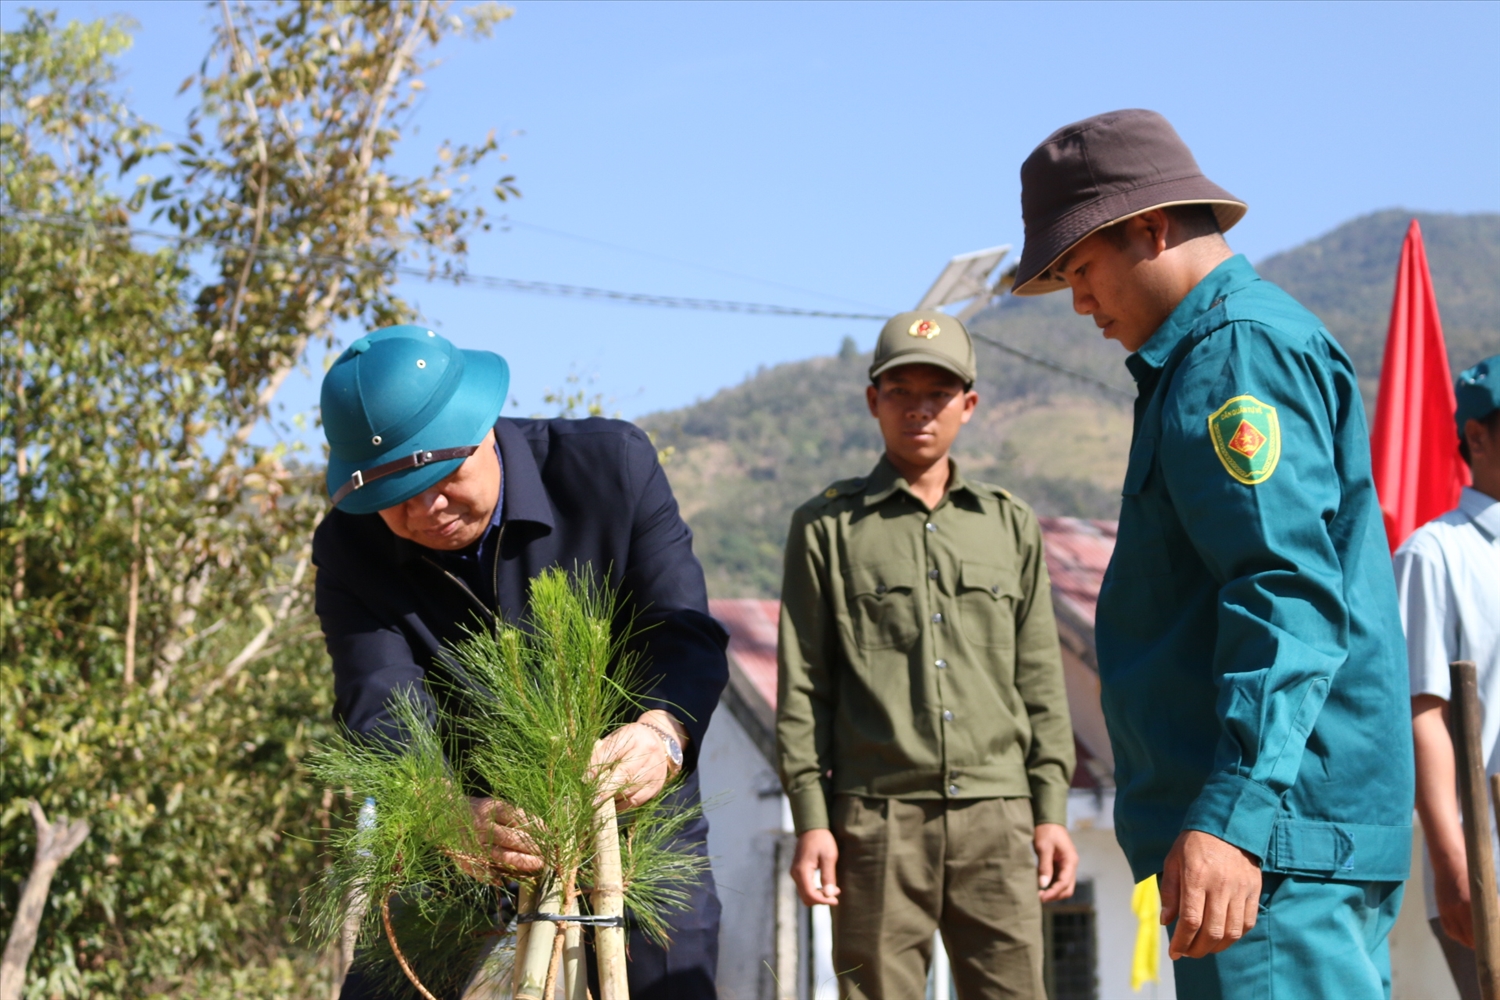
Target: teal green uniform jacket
x=1250, y=652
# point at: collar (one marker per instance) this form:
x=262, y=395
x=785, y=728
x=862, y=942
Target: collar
x=1482, y=509
x=1230, y=276
x=525, y=496
x=885, y=480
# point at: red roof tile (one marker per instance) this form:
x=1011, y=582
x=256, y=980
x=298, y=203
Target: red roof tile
x=1078, y=552
x=752, y=639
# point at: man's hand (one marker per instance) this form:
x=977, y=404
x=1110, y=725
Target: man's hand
x=1451, y=886
x=639, y=764
x=817, y=853
x=1212, y=889
x=1056, y=861
x=499, y=825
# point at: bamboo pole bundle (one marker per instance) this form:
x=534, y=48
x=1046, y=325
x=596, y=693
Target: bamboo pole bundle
x=535, y=963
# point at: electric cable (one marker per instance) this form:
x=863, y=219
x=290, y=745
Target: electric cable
x=552, y=288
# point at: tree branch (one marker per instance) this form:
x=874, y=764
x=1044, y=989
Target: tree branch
x=55, y=842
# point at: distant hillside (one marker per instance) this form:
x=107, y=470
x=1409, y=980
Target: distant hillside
x=1348, y=278
x=746, y=457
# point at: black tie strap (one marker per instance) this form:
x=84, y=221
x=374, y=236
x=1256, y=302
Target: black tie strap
x=415, y=460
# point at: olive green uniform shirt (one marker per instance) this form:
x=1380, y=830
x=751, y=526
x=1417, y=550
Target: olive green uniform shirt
x=918, y=656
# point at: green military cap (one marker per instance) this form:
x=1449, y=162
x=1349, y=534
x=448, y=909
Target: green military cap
x=925, y=337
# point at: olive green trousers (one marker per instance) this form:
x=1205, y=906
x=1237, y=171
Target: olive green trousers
x=909, y=867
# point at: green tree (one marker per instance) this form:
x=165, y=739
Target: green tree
x=161, y=675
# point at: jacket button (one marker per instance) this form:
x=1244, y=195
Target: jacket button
x=880, y=588
x=947, y=715
x=932, y=574
x=941, y=664
x=938, y=618
x=995, y=589
x=930, y=526
x=952, y=789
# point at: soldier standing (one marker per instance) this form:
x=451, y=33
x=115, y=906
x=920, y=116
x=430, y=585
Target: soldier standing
x=922, y=725
x=1250, y=651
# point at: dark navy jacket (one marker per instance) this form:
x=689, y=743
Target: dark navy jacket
x=577, y=493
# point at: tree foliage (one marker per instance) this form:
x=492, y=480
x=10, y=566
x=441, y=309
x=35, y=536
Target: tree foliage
x=161, y=672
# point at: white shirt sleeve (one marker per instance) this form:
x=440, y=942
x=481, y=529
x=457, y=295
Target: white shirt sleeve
x=1429, y=615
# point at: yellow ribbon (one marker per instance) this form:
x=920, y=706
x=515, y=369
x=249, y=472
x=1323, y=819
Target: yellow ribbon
x=1145, y=903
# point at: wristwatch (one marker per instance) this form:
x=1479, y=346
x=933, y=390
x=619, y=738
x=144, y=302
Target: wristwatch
x=674, y=748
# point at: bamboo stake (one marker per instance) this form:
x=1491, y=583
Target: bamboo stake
x=536, y=961
x=525, y=902
x=609, y=901
x=1464, y=717
x=575, y=976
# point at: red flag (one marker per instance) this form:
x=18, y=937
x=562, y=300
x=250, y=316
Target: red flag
x=1414, y=449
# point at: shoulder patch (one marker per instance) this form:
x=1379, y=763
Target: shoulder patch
x=1247, y=438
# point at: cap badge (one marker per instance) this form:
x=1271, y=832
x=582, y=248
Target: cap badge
x=925, y=328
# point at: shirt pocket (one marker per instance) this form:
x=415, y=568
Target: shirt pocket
x=883, y=605
x=1141, y=546
x=986, y=602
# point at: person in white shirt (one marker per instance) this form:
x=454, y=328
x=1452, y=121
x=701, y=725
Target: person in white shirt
x=1448, y=579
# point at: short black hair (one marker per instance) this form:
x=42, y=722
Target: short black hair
x=1195, y=220
x=1491, y=422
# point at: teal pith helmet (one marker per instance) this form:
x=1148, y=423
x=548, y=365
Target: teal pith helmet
x=402, y=409
x=1477, y=392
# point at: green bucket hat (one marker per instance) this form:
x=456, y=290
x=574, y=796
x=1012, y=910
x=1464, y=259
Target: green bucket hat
x=402, y=409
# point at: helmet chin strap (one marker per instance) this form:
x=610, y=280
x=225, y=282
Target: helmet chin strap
x=415, y=460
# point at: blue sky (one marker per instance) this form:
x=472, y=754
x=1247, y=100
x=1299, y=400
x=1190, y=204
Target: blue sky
x=834, y=155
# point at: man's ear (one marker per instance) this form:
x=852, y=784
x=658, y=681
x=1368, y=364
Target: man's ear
x=1154, y=227
x=871, y=393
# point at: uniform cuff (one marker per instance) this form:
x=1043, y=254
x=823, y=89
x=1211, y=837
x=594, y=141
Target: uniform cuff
x=1049, y=803
x=809, y=809
x=1236, y=810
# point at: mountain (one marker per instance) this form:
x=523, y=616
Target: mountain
x=1348, y=278
x=743, y=459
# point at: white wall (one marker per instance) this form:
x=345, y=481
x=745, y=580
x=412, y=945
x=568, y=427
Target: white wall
x=743, y=827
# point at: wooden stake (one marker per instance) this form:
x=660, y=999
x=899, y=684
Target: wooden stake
x=575, y=975
x=525, y=902
x=1466, y=722
x=535, y=962
x=609, y=901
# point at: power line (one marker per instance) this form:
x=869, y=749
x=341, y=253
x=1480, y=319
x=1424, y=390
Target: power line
x=552, y=288
x=649, y=255
x=1054, y=366
x=459, y=277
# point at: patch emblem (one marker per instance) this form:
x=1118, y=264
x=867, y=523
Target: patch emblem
x=1247, y=439
x=925, y=328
